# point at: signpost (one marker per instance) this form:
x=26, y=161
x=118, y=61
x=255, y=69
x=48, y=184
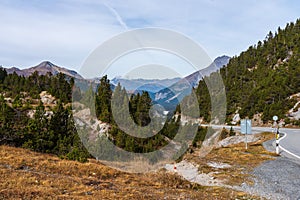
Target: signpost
x=275, y=118
x=246, y=128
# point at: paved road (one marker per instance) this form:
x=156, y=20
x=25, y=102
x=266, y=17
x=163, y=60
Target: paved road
x=279, y=178
x=289, y=143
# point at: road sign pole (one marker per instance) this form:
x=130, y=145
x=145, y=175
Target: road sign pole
x=246, y=129
x=275, y=118
x=246, y=135
x=277, y=141
x=275, y=128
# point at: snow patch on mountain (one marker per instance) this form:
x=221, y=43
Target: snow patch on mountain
x=161, y=95
x=174, y=97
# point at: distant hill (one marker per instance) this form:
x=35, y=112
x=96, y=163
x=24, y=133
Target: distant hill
x=43, y=68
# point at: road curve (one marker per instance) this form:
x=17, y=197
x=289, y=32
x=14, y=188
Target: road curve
x=289, y=143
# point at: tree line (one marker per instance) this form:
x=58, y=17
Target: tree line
x=57, y=133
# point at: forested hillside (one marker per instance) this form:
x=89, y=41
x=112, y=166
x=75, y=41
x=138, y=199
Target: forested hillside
x=49, y=129
x=26, y=121
x=261, y=79
x=134, y=114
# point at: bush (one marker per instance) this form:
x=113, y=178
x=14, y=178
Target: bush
x=224, y=134
x=75, y=154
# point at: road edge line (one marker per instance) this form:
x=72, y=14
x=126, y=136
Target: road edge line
x=284, y=149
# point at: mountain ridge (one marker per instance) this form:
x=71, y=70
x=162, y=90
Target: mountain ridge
x=43, y=68
x=217, y=64
x=130, y=84
x=193, y=79
x=171, y=96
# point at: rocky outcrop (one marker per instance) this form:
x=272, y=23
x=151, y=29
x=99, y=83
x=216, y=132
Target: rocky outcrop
x=294, y=113
x=47, y=98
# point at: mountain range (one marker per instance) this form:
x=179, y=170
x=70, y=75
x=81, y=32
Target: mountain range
x=150, y=85
x=171, y=96
x=166, y=92
x=155, y=85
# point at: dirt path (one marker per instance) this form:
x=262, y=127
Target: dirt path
x=190, y=172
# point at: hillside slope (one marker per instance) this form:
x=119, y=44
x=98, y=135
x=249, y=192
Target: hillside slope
x=29, y=175
x=261, y=79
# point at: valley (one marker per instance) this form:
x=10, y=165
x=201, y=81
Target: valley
x=64, y=136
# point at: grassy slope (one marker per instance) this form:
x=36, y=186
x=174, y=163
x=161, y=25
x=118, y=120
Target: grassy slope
x=26, y=174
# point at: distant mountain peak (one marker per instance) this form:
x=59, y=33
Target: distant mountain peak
x=43, y=68
x=223, y=57
x=217, y=64
x=46, y=64
x=221, y=61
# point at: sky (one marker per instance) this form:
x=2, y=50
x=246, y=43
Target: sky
x=66, y=32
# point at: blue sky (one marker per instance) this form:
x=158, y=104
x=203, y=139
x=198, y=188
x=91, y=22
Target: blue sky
x=67, y=31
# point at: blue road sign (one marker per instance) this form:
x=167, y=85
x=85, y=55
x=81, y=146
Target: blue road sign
x=246, y=127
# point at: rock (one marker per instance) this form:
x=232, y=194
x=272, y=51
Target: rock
x=237, y=139
x=48, y=113
x=47, y=99
x=236, y=118
x=294, y=113
x=83, y=118
x=218, y=165
x=8, y=99
x=257, y=121
x=31, y=113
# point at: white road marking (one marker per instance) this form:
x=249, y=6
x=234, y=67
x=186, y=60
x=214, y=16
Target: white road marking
x=284, y=149
x=263, y=129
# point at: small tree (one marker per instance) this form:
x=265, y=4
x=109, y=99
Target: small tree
x=231, y=132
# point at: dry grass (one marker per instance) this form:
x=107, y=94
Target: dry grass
x=29, y=175
x=242, y=161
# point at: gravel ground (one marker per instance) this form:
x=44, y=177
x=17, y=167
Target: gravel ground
x=276, y=179
x=190, y=172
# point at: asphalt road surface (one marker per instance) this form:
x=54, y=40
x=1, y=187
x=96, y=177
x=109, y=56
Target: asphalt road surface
x=290, y=142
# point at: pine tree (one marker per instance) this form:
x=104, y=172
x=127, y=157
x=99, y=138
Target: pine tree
x=103, y=100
